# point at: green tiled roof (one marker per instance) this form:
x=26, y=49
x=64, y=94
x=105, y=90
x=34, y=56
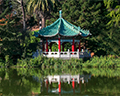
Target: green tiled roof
x=63, y=28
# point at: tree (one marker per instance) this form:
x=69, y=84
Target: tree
x=113, y=24
x=5, y=7
x=12, y=43
x=19, y=7
x=113, y=7
x=42, y=7
x=5, y=14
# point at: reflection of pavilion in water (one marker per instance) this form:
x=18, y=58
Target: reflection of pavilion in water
x=65, y=79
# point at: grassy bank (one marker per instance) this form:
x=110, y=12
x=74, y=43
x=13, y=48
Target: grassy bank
x=43, y=62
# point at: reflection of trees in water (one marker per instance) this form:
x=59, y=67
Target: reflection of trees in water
x=12, y=83
x=103, y=85
x=15, y=84
x=21, y=82
x=107, y=72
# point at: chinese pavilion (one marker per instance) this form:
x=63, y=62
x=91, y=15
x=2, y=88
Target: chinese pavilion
x=61, y=32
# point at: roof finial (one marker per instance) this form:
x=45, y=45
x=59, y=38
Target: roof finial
x=60, y=13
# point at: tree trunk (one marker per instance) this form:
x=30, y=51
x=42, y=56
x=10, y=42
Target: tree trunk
x=43, y=22
x=42, y=16
x=23, y=12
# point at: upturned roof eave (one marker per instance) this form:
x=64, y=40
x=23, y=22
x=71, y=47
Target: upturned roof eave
x=72, y=30
x=54, y=34
x=50, y=36
x=59, y=35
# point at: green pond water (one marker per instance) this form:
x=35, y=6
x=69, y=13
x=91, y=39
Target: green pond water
x=35, y=82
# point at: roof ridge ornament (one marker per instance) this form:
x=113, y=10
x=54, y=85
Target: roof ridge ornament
x=60, y=13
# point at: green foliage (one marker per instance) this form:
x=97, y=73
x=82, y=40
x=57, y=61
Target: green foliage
x=2, y=63
x=16, y=5
x=40, y=5
x=113, y=12
x=15, y=43
x=113, y=25
x=103, y=62
x=30, y=44
x=54, y=47
x=9, y=42
x=42, y=8
x=50, y=63
x=67, y=46
x=5, y=8
x=30, y=62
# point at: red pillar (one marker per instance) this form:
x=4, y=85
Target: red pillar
x=73, y=85
x=46, y=45
x=59, y=45
x=47, y=85
x=79, y=47
x=59, y=86
x=73, y=46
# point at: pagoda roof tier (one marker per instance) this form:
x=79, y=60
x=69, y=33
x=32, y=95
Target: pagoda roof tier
x=61, y=28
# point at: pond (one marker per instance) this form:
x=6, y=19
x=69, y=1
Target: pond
x=79, y=82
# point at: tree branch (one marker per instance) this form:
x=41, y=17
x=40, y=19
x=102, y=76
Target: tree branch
x=19, y=1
